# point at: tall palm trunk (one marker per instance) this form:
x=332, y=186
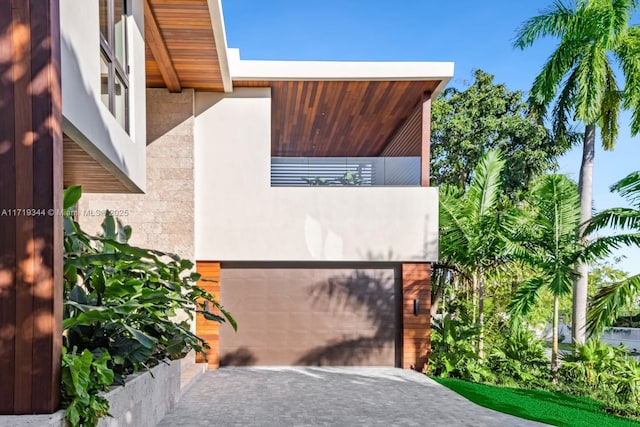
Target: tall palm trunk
x=585, y=187
x=554, y=345
x=481, y=315
x=474, y=297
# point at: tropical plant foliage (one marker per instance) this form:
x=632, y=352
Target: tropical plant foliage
x=468, y=122
x=548, y=243
x=121, y=310
x=516, y=356
x=606, y=373
x=473, y=229
x=580, y=81
x=84, y=376
x=453, y=354
x=580, y=72
x=538, y=251
x=611, y=300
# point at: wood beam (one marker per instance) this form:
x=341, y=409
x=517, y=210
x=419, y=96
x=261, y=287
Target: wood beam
x=31, y=240
x=158, y=47
x=425, y=150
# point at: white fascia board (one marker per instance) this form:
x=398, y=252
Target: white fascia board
x=220, y=37
x=338, y=70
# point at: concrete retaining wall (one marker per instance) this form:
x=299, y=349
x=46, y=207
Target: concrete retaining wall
x=144, y=399
x=142, y=402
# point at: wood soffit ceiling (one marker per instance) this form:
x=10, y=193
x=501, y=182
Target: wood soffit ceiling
x=82, y=169
x=338, y=118
x=184, y=28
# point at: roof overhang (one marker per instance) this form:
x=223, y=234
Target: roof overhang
x=327, y=109
x=186, y=45
x=249, y=70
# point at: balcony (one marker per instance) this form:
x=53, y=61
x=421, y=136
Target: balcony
x=345, y=171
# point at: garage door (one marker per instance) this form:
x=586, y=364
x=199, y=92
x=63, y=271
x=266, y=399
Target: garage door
x=318, y=317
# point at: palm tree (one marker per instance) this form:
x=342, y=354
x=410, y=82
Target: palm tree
x=609, y=302
x=473, y=229
x=550, y=246
x=594, y=38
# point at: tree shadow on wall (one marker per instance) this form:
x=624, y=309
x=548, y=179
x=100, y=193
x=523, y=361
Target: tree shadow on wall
x=240, y=357
x=372, y=291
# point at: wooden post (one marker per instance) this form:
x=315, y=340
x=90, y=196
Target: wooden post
x=30, y=201
x=416, y=325
x=425, y=150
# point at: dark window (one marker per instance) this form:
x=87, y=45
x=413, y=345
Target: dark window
x=114, y=76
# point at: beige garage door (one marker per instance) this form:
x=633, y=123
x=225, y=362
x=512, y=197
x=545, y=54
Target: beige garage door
x=318, y=317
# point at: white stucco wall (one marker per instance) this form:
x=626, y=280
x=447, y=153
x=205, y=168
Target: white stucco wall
x=85, y=118
x=240, y=217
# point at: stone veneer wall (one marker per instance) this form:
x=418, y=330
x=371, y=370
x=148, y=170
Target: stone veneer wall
x=163, y=218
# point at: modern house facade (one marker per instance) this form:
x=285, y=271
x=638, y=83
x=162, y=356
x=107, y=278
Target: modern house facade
x=301, y=188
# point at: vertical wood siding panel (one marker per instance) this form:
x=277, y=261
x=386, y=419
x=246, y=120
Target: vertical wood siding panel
x=206, y=329
x=7, y=222
x=31, y=179
x=47, y=189
x=416, y=330
x=24, y=199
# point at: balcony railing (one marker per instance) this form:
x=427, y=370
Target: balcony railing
x=345, y=171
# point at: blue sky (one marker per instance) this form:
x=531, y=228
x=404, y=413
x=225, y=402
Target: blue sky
x=470, y=34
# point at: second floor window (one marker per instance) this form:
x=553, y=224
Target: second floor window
x=113, y=59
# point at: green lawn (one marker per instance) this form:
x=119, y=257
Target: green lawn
x=547, y=407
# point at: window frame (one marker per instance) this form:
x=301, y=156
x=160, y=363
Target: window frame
x=108, y=52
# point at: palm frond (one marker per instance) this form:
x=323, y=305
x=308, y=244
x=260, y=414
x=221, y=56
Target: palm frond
x=606, y=245
x=563, y=278
x=485, y=185
x=621, y=218
x=454, y=233
x=608, y=19
x=559, y=203
x=592, y=80
x=629, y=187
x=610, y=110
x=627, y=54
x=564, y=106
x=526, y=255
x=606, y=306
x=562, y=60
x=526, y=297
x=552, y=21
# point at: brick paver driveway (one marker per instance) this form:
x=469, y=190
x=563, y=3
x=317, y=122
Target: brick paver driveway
x=327, y=397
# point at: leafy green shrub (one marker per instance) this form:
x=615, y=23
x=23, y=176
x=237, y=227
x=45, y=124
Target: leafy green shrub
x=453, y=353
x=83, y=377
x=121, y=304
x=517, y=357
x=605, y=373
x=591, y=364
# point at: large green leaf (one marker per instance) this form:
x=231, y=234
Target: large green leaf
x=141, y=337
x=71, y=196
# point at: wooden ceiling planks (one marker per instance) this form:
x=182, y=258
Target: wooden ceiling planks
x=82, y=169
x=185, y=26
x=338, y=118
